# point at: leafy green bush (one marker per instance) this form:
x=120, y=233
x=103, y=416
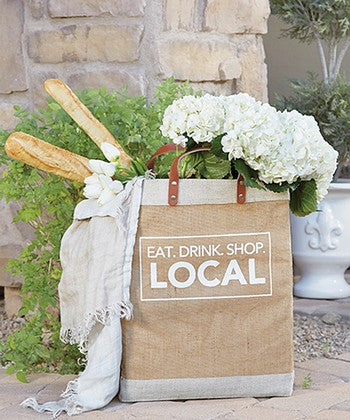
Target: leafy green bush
x=327, y=22
x=47, y=203
x=330, y=105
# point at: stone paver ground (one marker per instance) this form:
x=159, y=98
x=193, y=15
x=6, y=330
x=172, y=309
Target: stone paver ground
x=320, y=307
x=327, y=396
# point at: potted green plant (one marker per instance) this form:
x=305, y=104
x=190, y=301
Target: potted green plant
x=321, y=241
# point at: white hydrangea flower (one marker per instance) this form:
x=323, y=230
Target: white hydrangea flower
x=180, y=140
x=200, y=118
x=280, y=146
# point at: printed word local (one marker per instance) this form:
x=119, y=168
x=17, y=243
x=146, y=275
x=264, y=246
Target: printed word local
x=233, y=273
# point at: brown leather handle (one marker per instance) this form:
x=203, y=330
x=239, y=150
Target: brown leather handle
x=241, y=190
x=171, y=147
x=173, y=191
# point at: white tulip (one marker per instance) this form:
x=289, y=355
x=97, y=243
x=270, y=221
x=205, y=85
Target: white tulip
x=105, y=196
x=111, y=152
x=100, y=184
x=101, y=167
x=108, y=184
x=92, y=179
x=93, y=191
x=105, y=181
x=116, y=187
x=102, y=187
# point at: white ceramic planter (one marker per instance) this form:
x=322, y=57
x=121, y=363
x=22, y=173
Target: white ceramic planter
x=321, y=246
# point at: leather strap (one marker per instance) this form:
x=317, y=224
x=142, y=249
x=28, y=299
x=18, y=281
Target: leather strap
x=173, y=191
x=170, y=147
x=241, y=190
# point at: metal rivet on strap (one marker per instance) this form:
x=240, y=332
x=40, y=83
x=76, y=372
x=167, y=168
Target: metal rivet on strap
x=174, y=183
x=240, y=195
x=173, y=197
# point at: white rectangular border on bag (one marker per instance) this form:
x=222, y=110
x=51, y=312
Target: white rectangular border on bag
x=143, y=298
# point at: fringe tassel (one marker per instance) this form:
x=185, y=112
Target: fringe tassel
x=69, y=404
x=32, y=403
x=103, y=316
x=72, y=406
x=149, y=174
x=56, y=408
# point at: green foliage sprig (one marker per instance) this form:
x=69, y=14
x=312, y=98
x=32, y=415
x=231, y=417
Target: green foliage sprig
x=47, y=203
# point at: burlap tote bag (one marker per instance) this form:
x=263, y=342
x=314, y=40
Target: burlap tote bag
x=212, y=293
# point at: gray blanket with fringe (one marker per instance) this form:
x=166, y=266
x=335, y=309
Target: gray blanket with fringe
x=96, y=257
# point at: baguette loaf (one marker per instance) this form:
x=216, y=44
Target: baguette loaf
x=63, y=95
x=47, y=157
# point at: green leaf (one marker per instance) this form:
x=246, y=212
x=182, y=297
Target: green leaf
x=192, y=164
x=10, y=370
x=103, y=90
x=216, y=148
x=284, y=186
x=307, y=20
x=140, y=168
x=42, y=352
x=191, y=144
x=21, y=377
x=214, y=167
x=54, y=106
x=303, y=200
x=250, y=175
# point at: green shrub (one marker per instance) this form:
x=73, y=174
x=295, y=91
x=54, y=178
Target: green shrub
x=47, y=203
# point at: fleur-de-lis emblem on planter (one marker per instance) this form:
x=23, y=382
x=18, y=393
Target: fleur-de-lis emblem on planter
x=324, y=227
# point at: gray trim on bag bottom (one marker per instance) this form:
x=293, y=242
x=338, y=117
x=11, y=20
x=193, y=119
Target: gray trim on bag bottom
x=275, y=385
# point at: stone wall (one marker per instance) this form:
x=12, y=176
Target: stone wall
x=216, y=44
